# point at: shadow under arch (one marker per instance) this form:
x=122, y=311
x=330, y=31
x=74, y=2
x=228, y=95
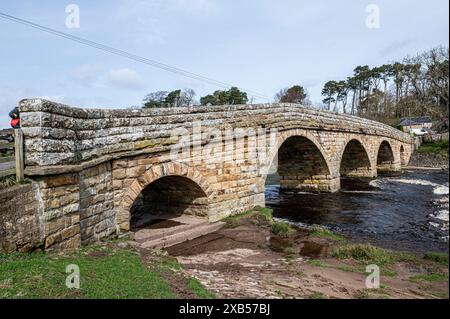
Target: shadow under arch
x=300, y=164
x=385, y=157
x=355, y=161
x=168, y=197
x=167, y=179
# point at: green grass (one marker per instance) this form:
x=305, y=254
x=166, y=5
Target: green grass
x=315, y=263
x=106, y=272
x=440, y=258
x=346, y=268
x=103, y=274
x=432, y=277
x=316, y=295
x=366, y=254
x=199, y=290
x=372, y=255
x=267, y=213
x=380, y=293
x=261, y=211
x=282, y=229
x=323, y=232
x=440, y=147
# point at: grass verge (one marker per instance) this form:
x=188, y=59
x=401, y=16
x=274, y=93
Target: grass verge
x=106, y=272
x=198, y=289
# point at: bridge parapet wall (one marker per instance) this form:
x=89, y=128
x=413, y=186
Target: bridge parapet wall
x=69, y=139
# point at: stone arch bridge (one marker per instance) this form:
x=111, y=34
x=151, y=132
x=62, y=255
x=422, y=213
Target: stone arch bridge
x=92, y=165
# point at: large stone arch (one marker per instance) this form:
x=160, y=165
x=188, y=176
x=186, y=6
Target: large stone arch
x=355, y=160
x=385, y=156
x=151, y=175
x=302, y=163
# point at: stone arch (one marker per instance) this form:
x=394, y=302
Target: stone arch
x=385, y=157
x=355, y=161
x=301, y=163
x=154, y=174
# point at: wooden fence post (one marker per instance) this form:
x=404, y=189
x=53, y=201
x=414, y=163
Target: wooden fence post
x=18, y=149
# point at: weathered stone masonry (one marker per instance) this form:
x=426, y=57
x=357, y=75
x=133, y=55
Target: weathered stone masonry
x=21, y=218
x=91, y=165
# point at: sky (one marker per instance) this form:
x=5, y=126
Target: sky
x=258, y=45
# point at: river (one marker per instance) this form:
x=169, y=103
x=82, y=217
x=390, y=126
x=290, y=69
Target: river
x=407, y=212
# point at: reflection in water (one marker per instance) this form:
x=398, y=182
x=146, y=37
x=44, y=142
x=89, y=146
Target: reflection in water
x=397, y=212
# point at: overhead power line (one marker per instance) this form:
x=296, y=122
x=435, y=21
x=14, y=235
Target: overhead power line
x=128, y=55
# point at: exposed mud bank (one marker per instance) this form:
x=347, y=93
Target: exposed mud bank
x=247, y=260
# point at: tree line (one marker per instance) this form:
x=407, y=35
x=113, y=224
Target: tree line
x=416, y=86
x=233, y=96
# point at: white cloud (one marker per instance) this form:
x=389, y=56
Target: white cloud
x=87, y=74
x=125, y=78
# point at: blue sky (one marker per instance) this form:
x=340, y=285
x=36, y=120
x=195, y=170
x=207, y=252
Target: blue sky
x=262, y=45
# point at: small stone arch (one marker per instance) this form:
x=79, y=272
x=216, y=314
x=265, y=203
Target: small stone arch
x=153, y=174
x=355, y=160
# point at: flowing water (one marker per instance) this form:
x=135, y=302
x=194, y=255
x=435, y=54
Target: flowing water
x=408, y=211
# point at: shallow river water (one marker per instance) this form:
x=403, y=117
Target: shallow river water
x=407, y=211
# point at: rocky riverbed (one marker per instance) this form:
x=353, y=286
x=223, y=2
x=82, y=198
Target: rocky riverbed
x=246, y=259
x=429, y=160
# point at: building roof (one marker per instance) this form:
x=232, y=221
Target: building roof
x=407, y=121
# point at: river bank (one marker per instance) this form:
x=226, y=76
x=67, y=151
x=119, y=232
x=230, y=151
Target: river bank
x=246, y=259
x=431, y=155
